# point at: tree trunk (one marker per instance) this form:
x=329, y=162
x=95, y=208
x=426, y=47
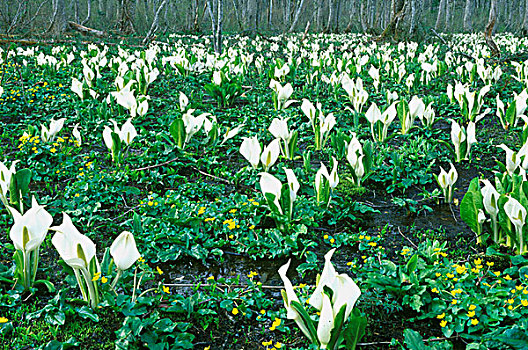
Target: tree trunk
x=441, y=14
x=155, y=22
x=330, y=16
x=270, y=13
x=126, y=17
x=58, y=24
x=488, y=34
x=525, y=19
x=296, y=17
x=363, y=16
x=448, y=15
x=88, y=12
x=468, y=16
x=215, y=9
x=412, y=28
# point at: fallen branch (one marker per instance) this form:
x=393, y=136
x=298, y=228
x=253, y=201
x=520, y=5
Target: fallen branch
x=85, y=30
x=192, y=285
x=156, y=165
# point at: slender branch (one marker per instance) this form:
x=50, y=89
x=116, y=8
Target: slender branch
x=156, y=165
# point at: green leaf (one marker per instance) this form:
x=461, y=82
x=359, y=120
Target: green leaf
x=177, y=130
x=87, y=313
x=355, y=330
x=412, y=264
x=470, y=205
x=308, y=322
x=339, y=319
x=414, y=340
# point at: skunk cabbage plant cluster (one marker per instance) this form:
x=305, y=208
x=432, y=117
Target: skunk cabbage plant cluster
x=498, y=212
x=79, y=252
x=334, y=298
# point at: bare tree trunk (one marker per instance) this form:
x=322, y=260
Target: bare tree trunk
x=525, y=19
x=88, y=12
x=352, y=15
x=296, y=17
x=270, y=13
x=488, y=34
x=363, y=16
x=58, y=24
x=76, y=10
x=215, y=9
x=412, y=28
x=155, y=22
x=468, y=16
x=126, y=17
x=441, y=14
x=328, y=27
x=448, y=15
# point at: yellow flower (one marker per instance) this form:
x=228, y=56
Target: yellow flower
x=372, y=244
x=234, y=311
x=96, y=276
x=160, y=271
x=510, y=301
x=438, y=274
x=454, y=302
x=3, y=320
x=461, y=269
x=278, y=345
x=490, y=263
x=497, y=273
x=53, y=150
x=477, y=261
x=325, y=236
x=141, y=259
x=210, y=278
x=266, y=343
x=434, y=290
x=263, y=312
x=443, y=323
x=209, y=219
x=441, y=316
x=471, y=314
x=150, y=203
x=474, y=322
x=104, y=280
x=252, y=227
x=166, y=289
x=472, y=307
x=332, y=240
x=507, y=278
x=207, y=348
x=201, y=210
x=524, y=302
x=232, y=211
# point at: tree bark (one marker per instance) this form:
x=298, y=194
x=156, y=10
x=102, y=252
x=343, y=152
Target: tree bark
x=363, y=16
x=468, y=16
x=489, y=29
x=441, y=14
x=88, y=12
x=525, y=19
x=155, y=22
x=126, y=17
x=296, y=17
x=58, y=24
